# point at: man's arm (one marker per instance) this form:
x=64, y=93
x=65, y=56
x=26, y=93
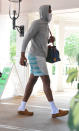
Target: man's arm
x=29, y=35
x=23, y=59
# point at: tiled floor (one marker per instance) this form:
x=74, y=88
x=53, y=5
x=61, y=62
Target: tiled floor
x=41, y=121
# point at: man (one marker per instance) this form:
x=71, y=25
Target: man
x=38, y=33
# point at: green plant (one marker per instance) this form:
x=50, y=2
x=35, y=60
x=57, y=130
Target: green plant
x=73, y=118
x=72, y=75
x=73, y=72
x=77, y=58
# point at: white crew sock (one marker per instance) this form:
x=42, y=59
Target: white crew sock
x=22, y=106
x=54, y=109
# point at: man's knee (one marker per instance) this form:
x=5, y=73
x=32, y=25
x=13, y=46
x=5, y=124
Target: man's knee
x=34, y=78
x=46, y=80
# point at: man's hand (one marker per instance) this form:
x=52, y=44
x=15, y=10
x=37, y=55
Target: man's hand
x=51, y=39
x=23, y=59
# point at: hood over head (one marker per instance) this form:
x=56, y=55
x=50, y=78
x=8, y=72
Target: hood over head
x=44, y=12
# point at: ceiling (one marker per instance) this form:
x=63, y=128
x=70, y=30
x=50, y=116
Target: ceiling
x=33, y=5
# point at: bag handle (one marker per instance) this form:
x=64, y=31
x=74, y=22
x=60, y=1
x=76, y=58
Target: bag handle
x=51, y=35
x=50, y=32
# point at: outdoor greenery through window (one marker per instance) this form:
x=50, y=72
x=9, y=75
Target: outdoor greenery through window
x=7, y=69
x=71, y=52
x=13, y=46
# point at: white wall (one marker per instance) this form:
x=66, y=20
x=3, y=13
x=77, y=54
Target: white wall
x=0, y=5
x=33, y=5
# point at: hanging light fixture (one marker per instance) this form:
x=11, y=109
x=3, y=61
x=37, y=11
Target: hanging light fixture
x=14, y=11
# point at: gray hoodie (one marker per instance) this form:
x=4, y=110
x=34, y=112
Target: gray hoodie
x=38, y=33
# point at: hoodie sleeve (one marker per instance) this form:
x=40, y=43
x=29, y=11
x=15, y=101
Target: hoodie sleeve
x=29, y=35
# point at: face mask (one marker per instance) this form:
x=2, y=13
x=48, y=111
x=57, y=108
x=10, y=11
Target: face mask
x=49, y=17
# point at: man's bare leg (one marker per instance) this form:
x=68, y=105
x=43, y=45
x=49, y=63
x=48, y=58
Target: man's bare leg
x=48, y=93
x=29, y=87
x=47, y=90
x=46, y=87
x=28, y=91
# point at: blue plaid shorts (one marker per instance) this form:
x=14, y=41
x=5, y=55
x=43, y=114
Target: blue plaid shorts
x=38, y=65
